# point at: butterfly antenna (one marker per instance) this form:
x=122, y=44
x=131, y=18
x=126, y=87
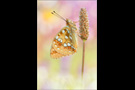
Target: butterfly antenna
x=56, y=14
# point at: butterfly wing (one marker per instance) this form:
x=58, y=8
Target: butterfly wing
x=55, y=54
x=64, y=43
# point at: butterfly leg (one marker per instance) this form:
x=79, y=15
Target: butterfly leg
x=75, y=21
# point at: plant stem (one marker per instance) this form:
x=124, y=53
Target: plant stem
x=83, y=58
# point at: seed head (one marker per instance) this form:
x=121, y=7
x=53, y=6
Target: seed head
x=84, y=24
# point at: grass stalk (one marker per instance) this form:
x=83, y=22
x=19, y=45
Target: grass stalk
x=83, y=57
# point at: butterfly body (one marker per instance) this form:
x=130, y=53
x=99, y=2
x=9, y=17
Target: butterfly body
x=65, y=42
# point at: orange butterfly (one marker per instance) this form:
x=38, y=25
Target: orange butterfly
x=65, y=42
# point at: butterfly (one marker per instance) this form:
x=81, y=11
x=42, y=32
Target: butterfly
x=65, y=42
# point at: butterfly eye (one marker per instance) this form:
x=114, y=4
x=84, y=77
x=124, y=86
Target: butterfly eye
x=72, y=22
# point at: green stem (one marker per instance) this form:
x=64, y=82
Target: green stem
x=83, y=58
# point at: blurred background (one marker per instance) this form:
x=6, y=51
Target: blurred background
x=65, y=73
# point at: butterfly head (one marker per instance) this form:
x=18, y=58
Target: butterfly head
x=71, y=23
